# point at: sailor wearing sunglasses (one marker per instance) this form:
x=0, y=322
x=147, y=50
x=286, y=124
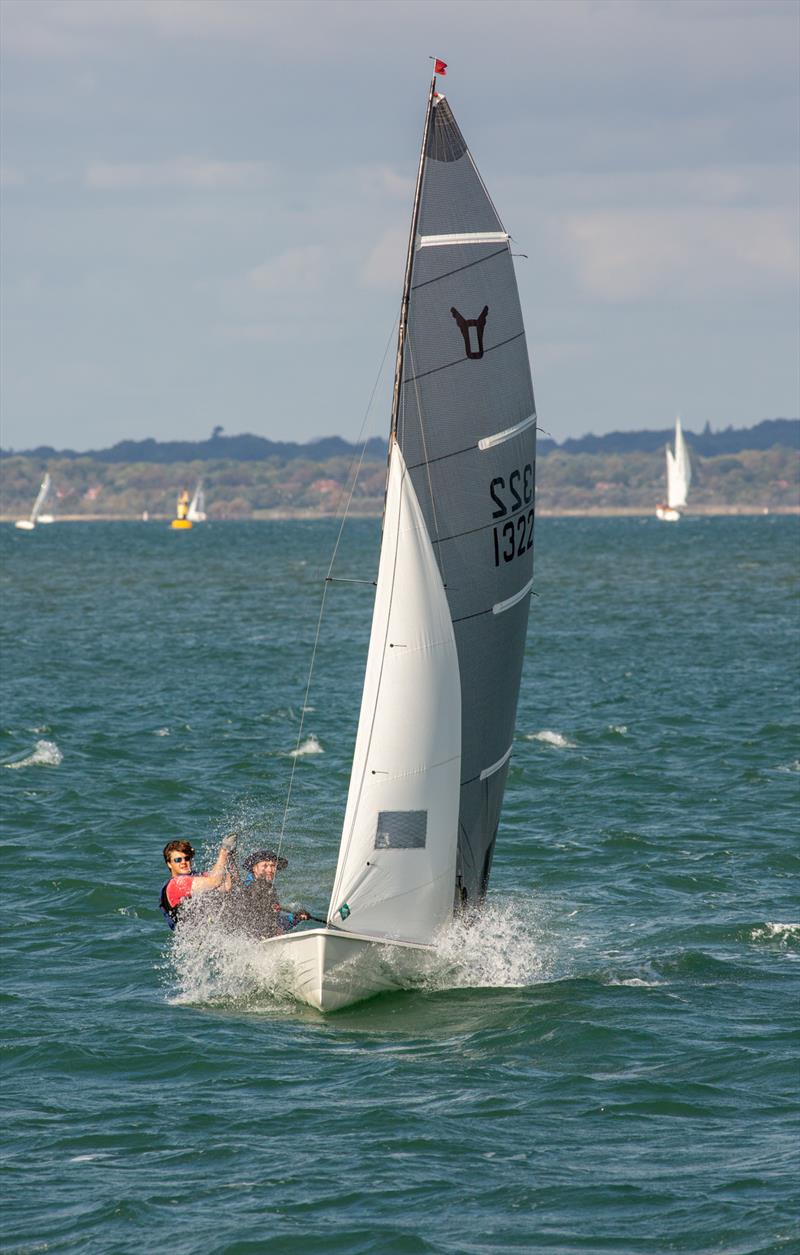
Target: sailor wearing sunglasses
x=184, y=884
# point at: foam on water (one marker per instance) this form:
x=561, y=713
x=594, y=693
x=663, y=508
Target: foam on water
x=310, y=746
x=211, y=964
x=646, y=981
x=784, y=933
x=45, y=754
x=556, y=739
x=503, y=947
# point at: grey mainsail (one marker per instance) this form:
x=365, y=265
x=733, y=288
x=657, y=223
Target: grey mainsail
x=465, y=421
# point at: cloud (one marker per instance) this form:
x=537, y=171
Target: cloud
x=181, y=172
x=621, y=256
x=11, y=176
x=702, y=42
x=383, y=267
x=52, y=29
x=297, y=269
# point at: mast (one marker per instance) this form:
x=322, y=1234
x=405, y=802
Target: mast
x=401, y=334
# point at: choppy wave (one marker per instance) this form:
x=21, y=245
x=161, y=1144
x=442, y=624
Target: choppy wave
x=45, y=754
x=310, y=746
x=784, y=933
x=633, y=982
x=556, y=739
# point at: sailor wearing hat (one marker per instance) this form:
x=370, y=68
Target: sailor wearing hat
x=262, y=910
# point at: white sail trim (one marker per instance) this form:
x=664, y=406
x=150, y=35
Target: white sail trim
x=397, y=857
x=197, y=507
x=500, y=606
x=501, y=762
x=679, y=470
x=41, y=497
x=500, y=437
x=466, y=237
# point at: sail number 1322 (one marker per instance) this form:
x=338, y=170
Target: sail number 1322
x=513, y=500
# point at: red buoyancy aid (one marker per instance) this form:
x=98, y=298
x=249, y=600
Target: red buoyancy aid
x=170, y=911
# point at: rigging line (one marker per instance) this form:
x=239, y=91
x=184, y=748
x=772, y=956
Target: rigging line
x=344, y=849
x=427, y=461
x=340, y=579
x=363, y=448
x=486, y=191
x=479, y=262
x=328, y=580
x=493, y=522
x=470, y=448
x=447, y=365
x=444, y=457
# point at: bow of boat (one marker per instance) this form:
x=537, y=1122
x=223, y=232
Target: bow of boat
x=329, y=968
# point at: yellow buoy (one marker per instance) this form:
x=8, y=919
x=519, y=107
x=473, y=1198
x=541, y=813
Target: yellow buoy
x=181, y=511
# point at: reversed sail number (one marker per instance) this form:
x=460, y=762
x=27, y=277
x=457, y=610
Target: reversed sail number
x=513, y=500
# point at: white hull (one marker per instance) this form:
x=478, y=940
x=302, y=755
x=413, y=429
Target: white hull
x=667, y=514
x=25, y=525
x=46, y=518
x=333, y=969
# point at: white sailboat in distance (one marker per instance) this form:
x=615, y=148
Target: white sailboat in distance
x=679, y=477
x=197, y=506
x=450, y=618
x=27, y=525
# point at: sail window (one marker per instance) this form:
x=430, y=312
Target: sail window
x=501, y=762
x=466, y=237
x=500, y=606
x=401, y=830
x=500, y=437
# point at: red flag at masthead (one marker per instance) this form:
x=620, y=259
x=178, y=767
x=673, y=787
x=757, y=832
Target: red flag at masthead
x=439, y=67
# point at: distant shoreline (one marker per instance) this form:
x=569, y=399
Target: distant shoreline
x=600, y=512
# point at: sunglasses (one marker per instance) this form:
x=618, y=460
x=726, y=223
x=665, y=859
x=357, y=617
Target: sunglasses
x=180, y=858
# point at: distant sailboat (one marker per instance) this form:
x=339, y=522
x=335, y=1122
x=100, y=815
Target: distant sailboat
x=449, y=624
x=27, y=525
x=197, y=506
x=182, y=522
x=679, y=477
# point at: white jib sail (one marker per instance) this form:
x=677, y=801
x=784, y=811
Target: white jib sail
x=679, y=470
x=397, y=857
x=197, y=507
x=41, y=498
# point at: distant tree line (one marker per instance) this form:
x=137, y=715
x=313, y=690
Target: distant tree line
x=752, y=479
x=772, y=432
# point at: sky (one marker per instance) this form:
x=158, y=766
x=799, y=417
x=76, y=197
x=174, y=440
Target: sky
x=205, y=208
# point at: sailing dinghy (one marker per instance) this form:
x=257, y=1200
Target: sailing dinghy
x=197, y=505
x=36, y=516
x=451, y=606
x=679, y=477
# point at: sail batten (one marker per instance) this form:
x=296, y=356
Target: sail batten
x=465, y=237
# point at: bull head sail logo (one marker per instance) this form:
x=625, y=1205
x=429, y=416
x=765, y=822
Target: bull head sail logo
x=472, y=331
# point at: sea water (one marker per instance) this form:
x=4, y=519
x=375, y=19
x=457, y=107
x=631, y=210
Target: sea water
x=609, y=1063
